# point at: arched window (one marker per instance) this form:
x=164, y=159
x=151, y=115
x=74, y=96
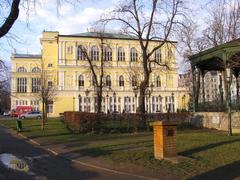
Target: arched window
x=107, y=54
x=134, y=54
x=158, y=56
x=121, y=54
x=158, y=81
x=36, y=69
x=21, y=69
x=108, y=81
x=81, y=81
x=94, y=53
x=134, y=81
x=81, y=50
x=121, y=81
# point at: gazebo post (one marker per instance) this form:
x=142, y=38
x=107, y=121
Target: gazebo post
x=236, y=74
x=203, y=88
x=228, y=80
x=193, y=89
x=221, y=87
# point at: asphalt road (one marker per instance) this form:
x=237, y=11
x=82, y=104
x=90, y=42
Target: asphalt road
x=44, y=165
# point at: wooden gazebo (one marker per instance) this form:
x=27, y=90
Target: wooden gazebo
x=224, y=58
x=219, y=58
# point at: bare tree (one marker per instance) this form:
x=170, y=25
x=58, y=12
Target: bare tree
x=223, y=23
x=97, y=65
x=4, y=87
x=147, y=20
x=47, y=90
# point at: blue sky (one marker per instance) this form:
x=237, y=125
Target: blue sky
x=71, y=19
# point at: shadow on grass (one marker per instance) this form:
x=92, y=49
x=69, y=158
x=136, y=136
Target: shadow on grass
x=229, y=171
x=48, y=135
x=206, y=147
x=108, y=149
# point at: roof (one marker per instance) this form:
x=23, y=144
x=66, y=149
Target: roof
x=27, y=55
x=106, y=35
x=230, y=44
x=216, y=58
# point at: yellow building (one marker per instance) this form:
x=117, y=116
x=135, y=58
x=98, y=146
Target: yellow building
x=69, y=72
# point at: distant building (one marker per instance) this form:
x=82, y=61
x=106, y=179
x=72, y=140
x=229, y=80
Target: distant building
x=70, y=73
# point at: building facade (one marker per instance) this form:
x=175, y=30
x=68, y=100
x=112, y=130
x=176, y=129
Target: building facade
x=68, y=70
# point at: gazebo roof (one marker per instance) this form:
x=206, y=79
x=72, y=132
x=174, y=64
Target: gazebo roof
x=218, y=57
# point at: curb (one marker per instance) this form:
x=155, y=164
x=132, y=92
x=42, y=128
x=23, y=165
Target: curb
x=77, y=161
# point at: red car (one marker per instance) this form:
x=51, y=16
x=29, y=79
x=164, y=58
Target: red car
x=21, y=110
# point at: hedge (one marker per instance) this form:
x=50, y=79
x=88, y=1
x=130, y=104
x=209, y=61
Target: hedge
x=83, y=122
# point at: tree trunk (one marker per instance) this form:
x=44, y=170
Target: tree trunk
x=99, y=101
x=143, y=86
x=43, y=115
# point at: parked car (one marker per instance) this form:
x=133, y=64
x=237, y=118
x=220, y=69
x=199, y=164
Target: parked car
x=7, y=113
x=21, y=110
x=31, y=115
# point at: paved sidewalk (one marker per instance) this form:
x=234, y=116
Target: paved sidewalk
x=100, y=168
x=45, y=165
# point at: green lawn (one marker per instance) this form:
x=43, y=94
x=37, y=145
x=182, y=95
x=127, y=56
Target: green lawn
x=207, y=149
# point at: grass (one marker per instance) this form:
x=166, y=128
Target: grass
x=208, y=150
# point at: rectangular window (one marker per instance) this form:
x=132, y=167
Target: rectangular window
x=36, y=84
x=21, y=85
x=50, y=84
x=50, y=107
x=50, y=65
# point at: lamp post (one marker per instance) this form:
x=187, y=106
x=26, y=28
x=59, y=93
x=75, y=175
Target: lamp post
x=135, y=90
x=228, y=73
x=114, y=101
x=87, y=99
x=73, y=103
x=183, y=103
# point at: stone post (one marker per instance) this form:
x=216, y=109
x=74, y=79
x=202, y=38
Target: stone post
x=164, y=135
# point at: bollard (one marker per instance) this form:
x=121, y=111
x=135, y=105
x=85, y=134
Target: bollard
x=164, y=135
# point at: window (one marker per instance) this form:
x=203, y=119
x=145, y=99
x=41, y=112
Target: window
x=134, y=81
x=80, y=104
x=80, y=52
x=50, y=84
x=121, y=81
x=22, y=85
x=50, y=65
x=158, y=82
x=36, y=84
x=21, y=69
x=94, y=53
x=107, y=54
x=134, y=55
x=81, y=81
x=108, y=81
x=50, y=107
x=69, y=49
x=121, y=54
x=158, y=56
x=36, y=70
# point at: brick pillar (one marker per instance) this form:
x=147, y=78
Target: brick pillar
x=164, y=135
